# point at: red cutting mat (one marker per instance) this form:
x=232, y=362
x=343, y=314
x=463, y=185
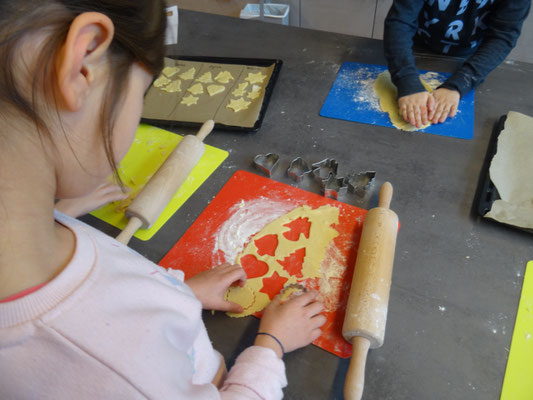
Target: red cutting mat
x=200, y=247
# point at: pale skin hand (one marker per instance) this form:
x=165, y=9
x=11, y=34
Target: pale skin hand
x=210, y=286
x=446, y=103
x=103, y=194
x=295, y=322
x=415, y=108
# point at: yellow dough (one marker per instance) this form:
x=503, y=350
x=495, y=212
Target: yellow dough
x=387, y=93
x=238, y=105
x=255, y=92
x=189, y=100
x=196, y=89
x=189, y=74
x=224, y=77
x=205, y=78
x=240, y=89
x=258, y=77
x=169, y=72
x=321, y=233
x=215, y=89
x=161, y=81
x=173, y=87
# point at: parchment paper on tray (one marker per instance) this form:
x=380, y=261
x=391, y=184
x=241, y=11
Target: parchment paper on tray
x=191, y=91
x=511, y=171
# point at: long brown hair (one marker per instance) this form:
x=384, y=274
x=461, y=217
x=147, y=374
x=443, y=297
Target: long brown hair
x=139, y=36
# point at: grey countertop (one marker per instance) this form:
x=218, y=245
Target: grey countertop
x=457, y=277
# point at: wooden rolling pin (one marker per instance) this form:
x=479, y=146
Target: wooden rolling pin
x=366, y=310
x=154, y=197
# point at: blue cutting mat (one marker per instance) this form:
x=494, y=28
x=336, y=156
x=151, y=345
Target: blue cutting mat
x=352, y=98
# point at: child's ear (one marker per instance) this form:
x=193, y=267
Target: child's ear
x=87, y=41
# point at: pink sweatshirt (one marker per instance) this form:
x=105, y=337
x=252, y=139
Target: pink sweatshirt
x=113, y=325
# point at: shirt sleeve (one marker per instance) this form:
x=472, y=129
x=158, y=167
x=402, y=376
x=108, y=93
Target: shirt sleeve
x=258, y=373
x=503, y=29
x=401, y=25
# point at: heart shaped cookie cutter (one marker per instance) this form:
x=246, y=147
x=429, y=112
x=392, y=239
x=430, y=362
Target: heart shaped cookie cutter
x=266, y=162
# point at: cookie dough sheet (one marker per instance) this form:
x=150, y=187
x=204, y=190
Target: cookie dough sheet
x=192, y=91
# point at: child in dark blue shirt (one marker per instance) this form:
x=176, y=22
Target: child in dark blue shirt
x=481, y=31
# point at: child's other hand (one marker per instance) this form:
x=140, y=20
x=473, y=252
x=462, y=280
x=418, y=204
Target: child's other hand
x=103, y=194
x=446, y=103
x=414, y=108
x=210, y=286
x=295, y=322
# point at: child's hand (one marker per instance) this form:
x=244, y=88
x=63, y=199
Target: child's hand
x=103, y=194
x=210, y=286
x=295, y=322
x=414, y=108
x=446, y=103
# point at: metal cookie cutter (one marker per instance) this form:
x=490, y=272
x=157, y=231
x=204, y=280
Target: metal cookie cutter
x=359, y=183
x=324, y=169
x=266, y=162
x=291, y=290
x=334, y=186
x=298, y=169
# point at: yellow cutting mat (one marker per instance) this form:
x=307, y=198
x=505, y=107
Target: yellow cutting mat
x=518, y=382
x=150, y=148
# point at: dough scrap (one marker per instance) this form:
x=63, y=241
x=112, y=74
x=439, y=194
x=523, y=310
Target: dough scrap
x=169, y=72
x=320, y=234
x=224, y=77
x=215, y=89
x=161, y=81
x=196, y=89
x=255, y=92
x=173, y=87
x=387, y=93
x=241, y=89
x=189, y=74
x=205, y=78
x=189, y=100
x=257, y=77
x=239, y=104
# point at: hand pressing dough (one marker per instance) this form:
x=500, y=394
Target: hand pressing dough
x=238, y=105
x=241, y=89
x=169, y=72
x=224, y=77
x=290, y=241
x=189, y=74
x=215, y=89
x=189, y=100
x=173, y=87
x=196, y=89
x=387, y=93
x=161, y=81
x=258, y=77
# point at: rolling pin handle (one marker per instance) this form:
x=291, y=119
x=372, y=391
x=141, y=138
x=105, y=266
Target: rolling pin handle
x=134, y=223
x=205, y=129
x=385, y=195
x=355, y=377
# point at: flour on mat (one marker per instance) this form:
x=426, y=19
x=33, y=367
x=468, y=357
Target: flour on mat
x=360, y=82
x=247, y=218
x=332, y=282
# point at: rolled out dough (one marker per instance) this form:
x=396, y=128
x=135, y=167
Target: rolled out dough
x=320, y=234
x=387, y=93
x=511, y=171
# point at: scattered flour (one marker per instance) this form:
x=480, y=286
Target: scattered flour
x=247, y=218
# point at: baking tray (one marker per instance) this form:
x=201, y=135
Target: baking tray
x=258, y=62
x=487, y=193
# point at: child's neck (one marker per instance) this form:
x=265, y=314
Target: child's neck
x=33, y=247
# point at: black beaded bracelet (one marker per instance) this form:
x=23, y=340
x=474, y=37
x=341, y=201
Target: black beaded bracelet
x=276, y=339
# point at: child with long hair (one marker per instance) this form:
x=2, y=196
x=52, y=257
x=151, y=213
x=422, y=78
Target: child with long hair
x=81, y=315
